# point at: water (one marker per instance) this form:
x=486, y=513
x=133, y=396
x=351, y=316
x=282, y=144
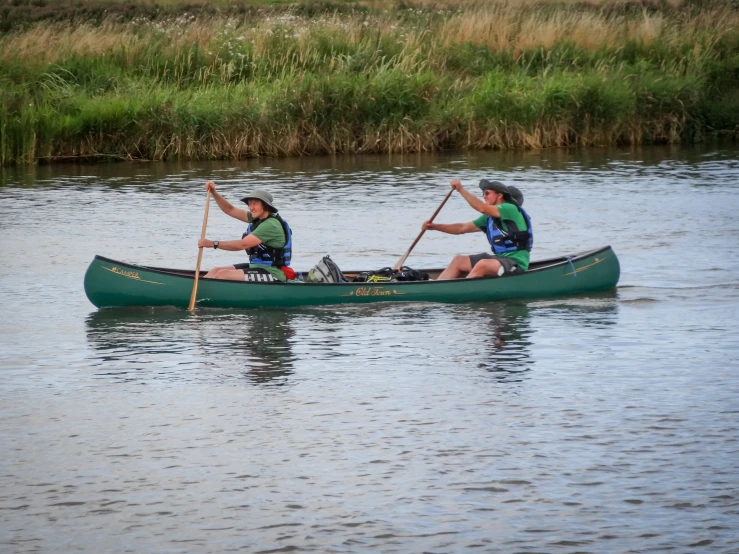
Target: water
x=604, y=423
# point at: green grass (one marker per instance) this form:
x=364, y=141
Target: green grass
x=317, y=78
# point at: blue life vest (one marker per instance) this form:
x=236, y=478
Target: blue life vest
x=503, y=242
x=261, y=254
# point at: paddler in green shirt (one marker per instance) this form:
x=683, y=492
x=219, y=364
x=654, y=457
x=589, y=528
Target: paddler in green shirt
x=267, y=240
x=505, y=224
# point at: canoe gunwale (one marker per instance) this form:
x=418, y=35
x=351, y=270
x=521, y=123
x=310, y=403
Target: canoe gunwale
x=539, y=266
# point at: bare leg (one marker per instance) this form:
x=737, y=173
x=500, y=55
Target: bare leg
x=458, y=266
x=212, y=273
x=230, y=274
x=486, y=268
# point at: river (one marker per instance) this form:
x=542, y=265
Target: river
x=600, y=423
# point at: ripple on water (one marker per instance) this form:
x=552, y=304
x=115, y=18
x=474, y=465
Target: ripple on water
x=601, y=423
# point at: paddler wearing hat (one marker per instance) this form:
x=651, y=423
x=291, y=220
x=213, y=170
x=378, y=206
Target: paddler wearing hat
x=267, y=240
x=505, y=224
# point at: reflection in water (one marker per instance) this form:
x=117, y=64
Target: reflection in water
x=506, y=353
x=255, y=346
x=263, y=342
x=266, y=347
x=172, y=174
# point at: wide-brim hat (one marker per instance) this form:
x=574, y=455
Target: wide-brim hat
x=515, y=195
x=495, y=186
x=262, y=195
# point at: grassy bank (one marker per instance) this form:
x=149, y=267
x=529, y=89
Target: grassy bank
x=184, y=81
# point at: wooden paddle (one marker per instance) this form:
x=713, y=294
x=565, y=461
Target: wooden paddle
x=200, y=255
x=401, y=261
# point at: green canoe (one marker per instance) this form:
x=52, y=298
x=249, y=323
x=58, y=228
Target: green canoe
x=110, y=283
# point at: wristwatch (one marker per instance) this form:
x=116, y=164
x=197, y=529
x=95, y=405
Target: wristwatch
x=215, y=244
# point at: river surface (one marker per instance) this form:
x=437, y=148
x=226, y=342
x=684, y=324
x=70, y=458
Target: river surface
x=602, y=423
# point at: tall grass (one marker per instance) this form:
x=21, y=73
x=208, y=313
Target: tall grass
x=500, y=75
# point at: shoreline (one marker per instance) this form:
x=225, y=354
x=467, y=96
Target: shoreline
x=284, y=82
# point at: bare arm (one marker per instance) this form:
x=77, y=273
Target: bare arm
x=451, y=228
x=475, y=202
x=249, y=241
x=226, y=206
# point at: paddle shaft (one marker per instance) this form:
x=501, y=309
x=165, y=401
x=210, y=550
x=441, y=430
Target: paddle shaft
x=400, y=262
x=200, y=255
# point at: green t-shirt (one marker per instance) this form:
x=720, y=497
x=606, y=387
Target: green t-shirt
x=271, y=233
x=508, y=212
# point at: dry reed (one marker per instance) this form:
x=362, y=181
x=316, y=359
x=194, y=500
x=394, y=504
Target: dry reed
x=486, y=75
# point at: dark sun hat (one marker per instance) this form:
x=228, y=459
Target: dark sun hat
x=262, y=195
x=495, y=186
x=515, y=195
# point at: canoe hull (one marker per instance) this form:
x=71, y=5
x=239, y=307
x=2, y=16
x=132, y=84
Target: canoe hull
x=109, y=283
